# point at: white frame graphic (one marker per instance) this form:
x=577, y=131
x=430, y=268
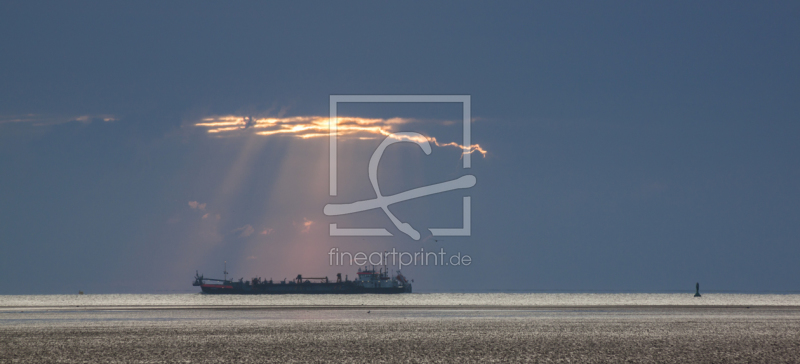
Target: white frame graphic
x=336, y=99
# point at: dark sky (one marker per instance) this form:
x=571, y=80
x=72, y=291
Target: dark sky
x=631, y=146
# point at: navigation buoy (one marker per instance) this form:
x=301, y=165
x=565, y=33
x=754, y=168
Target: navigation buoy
x=697, y=290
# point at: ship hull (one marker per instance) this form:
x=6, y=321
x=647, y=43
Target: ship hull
x=305, y=288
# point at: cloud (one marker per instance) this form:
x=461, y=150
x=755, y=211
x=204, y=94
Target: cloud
x=91, y=118
x=44, y=120
x=243, y=231
x=306, y=127
x=305, y=226
x=198, y=206
x=267, y=231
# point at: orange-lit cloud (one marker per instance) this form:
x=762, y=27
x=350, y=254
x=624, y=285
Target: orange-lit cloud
x=317, y=126
x=305, y=226
x=194, y=205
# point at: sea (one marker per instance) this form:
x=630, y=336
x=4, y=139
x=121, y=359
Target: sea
x=414, y=299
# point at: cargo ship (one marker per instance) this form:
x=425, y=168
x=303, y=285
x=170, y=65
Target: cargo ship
x=367, y=281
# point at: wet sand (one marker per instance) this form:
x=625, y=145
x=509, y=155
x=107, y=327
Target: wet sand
x=214, y=335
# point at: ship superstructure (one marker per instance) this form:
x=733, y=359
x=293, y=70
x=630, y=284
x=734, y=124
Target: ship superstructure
x=368, y=280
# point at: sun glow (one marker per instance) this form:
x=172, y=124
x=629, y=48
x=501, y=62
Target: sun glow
x=290, y=211
x=306, y=127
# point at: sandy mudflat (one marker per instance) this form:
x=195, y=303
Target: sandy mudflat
x=676, y=335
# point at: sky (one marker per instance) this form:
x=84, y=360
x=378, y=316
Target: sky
x=616, y=146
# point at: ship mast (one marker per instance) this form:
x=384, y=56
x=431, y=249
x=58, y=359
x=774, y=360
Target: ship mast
x=225, y=271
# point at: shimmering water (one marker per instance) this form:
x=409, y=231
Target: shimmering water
x=425, y=299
